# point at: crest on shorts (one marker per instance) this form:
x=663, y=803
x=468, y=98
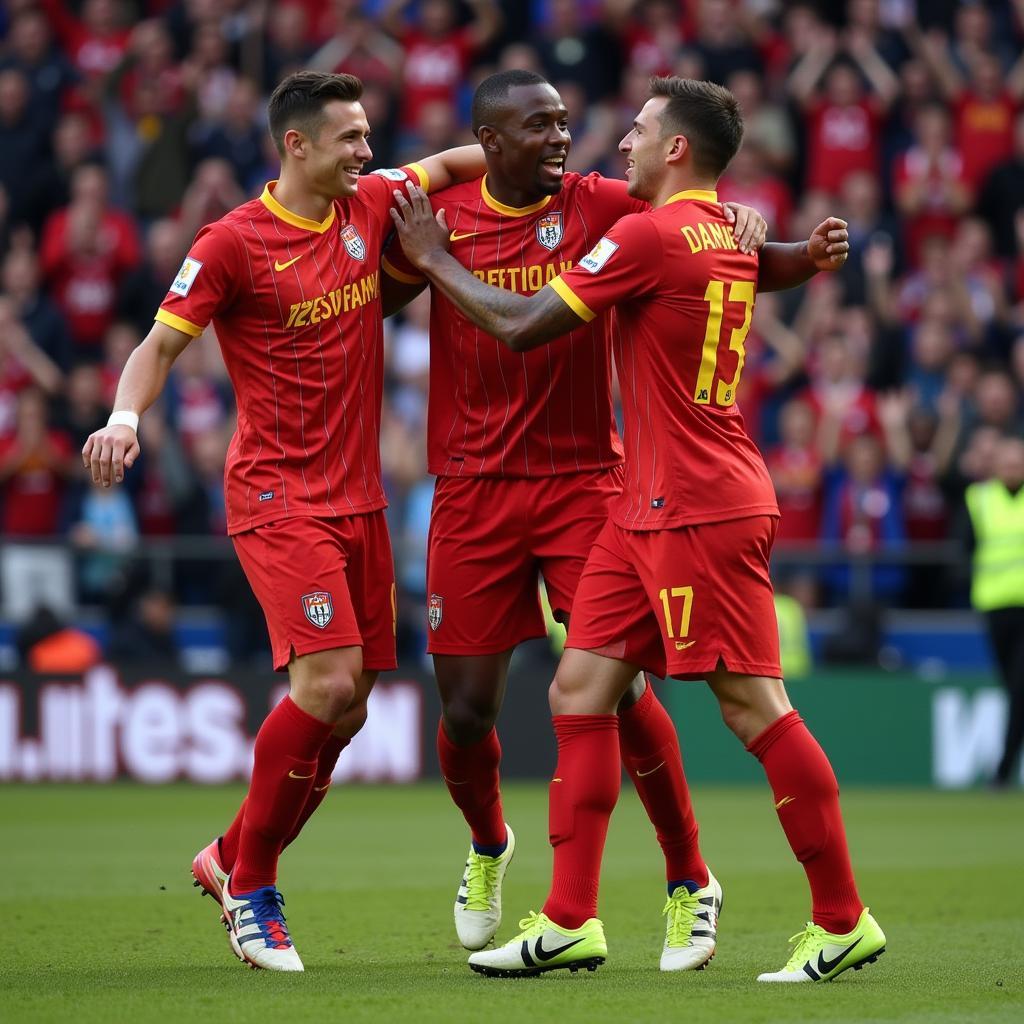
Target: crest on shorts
x=318, y=607
x=435, y=610
x=549, y=229
x=354, y=245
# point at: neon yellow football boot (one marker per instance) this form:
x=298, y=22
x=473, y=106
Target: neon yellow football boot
x=821, y=956
x=543, y=946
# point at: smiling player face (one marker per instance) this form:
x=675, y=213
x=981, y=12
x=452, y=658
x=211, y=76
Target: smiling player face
x=336, y=155
x=645, y=150
x=532, y=141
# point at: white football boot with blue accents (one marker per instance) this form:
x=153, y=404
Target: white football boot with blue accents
x=478, y=901
x=257, y=929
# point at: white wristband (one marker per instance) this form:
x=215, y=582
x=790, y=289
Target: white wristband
x=125, y=418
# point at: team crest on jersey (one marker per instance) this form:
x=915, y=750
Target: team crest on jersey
x=319, y=608
x=435, y=610
x=354, y=245
x=549, y=229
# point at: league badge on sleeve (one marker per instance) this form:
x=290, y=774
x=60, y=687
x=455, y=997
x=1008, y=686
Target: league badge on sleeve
x=318, y=607
x=599, y=255
x=186, y=276
x=435, y=610
x=549, y=229
x=354, y=245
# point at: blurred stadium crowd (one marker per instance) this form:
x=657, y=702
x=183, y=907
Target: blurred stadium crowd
x=876, y=394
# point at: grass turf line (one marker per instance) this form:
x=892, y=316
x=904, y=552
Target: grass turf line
x=103, y=924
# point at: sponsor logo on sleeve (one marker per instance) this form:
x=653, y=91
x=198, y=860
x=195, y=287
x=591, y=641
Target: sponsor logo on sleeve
x=318, y=607
x=599, y=255
x=354, y=244
x=391, y=173
x=549, y=229
x=186, y=276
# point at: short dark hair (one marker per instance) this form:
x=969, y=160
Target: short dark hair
x=298, y=102
x=707, y=114
x=492, y=93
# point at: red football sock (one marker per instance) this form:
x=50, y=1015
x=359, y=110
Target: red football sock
x=283, y=774
x=325, y=763
x=328, y=758
x=471, y=775
x=650, y=752
x=807, y=801
x=582, y=797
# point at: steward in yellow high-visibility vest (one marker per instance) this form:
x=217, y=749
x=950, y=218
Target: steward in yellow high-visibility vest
x=996, y=511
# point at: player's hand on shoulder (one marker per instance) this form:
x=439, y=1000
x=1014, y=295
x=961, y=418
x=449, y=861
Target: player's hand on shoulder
x=109, y=451
x=422, y=234
x=829, y=244
x=749, y=228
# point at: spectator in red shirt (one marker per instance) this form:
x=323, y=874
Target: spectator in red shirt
x=438, y=52
x=844, y=125
x=652, y=35
x=797, y=472
x=748, y=181
x=929, y=183
x=96, y=42
x=86, y=250
x=845, y=405
x=35, y=464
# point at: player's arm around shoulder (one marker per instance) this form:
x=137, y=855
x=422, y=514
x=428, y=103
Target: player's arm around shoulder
x=450, y=167
x=789, y=264
x=109, y=451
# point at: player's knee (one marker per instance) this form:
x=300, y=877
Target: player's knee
x=740, y=718
x=331, y=691
x=352, y=720
x=467, y=722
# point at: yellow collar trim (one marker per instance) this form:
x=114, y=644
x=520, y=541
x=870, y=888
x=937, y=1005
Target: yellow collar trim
x=510, y=211
x=700, y=194
x=268, y=200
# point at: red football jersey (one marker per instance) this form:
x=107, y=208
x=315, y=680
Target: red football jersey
x=296, y=308
x=494, y=412
x=684, y=295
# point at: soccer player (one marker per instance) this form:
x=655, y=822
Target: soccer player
x=290, y=282
x=524, y=488
x=678, y=580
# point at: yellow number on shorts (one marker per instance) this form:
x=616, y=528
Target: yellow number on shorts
x=686, y=593
x=714, y=296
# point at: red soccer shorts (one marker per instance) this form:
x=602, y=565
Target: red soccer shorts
x=681, y=602
x=324, y=583
x=489, y=540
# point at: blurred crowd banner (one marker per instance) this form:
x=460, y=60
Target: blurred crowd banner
x=878, y=728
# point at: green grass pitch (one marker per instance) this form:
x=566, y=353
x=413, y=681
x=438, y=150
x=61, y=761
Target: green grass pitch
x=102, y=923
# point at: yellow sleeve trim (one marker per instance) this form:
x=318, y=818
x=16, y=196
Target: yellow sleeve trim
x=571, y=299
x=420, y=173
x=399, y=275
x=178, y=323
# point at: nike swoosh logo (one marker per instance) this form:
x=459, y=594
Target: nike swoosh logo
x=294, y=775
x=285, y=266
x=785, y=800
x=543, y=954
x=641, y=774
x=682, y=647
x=824, y=966
x=456, y=237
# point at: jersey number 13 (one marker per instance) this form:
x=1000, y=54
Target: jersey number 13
x=724, y=393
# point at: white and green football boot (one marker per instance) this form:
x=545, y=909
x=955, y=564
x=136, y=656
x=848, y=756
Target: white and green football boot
x=478, y=901
x=821, y=956
x=543, y=946
x=691, y=928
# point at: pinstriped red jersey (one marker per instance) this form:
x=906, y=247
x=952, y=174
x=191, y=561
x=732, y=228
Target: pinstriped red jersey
x=494, y=412
x=296, y=308
x=683, y=296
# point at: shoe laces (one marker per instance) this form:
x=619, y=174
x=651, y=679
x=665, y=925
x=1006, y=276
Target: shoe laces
x=267, y=913
x=532, y=925
x=807, y=942
x=481, y=881
x=681, y=909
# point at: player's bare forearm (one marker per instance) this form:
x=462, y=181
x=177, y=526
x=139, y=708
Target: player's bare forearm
x=396, y=295
x=789, y=264
x=462, y=163
x=520, y=321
